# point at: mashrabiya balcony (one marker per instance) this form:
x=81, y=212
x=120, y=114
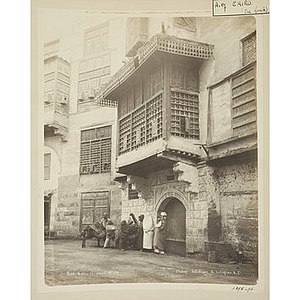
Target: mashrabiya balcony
x=158, y=104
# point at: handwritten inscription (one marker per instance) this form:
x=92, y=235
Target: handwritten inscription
x=244, y=289
x=242, y=7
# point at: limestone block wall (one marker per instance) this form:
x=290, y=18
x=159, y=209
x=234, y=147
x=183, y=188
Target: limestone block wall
x=239, y=205
x=67, y=211
x=196, y=225
x=229, y=197
x=68, y=207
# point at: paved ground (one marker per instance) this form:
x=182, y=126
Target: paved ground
x=67, y=263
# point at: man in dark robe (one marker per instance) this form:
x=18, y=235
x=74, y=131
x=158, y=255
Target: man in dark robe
x=140, y=232
x=128, y=235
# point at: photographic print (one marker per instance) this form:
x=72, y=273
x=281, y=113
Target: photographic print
x=149, y=149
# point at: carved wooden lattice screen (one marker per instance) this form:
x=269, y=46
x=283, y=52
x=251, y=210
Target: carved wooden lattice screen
x=95, y=150
x=142, y=126
x=184, y=114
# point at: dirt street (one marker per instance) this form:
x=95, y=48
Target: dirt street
x=66, y=263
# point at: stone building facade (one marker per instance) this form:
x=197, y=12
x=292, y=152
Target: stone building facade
x=80, y=134
x=183, y=135
x=187, y=137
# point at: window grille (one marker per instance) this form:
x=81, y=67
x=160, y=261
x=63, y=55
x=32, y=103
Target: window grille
x=132, y=193
x=249, y=49
x=184, y=114
x=95, y=150
x=142, y=126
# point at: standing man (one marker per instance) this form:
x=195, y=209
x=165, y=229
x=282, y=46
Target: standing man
x=148, y=228
x=110, y=234
x=160, y=234
x=104, y=220
x=140, y=233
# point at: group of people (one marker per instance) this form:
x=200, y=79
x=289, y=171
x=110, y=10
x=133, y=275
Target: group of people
x=141, y=234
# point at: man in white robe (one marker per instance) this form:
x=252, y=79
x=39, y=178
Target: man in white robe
x=148, y=227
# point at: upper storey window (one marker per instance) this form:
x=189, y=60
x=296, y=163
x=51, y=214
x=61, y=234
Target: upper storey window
x=95, y=150
x=249, y=48
x=96, y=40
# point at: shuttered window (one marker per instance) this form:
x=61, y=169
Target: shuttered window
x=95, y=150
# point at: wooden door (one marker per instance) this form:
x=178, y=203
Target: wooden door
x=93, y=206
x=176, y=226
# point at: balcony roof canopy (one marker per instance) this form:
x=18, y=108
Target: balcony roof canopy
x=161, y=43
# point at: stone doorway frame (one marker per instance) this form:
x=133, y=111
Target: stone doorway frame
x=179, y=196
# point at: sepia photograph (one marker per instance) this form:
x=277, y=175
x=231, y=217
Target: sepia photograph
x=150, y=148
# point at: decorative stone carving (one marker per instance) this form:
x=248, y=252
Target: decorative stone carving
x=189, y=174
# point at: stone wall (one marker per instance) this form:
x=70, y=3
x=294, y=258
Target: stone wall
x=230, y=187
x=67, y=211
x=68, y=183
x=224, y=208
x=239, y=205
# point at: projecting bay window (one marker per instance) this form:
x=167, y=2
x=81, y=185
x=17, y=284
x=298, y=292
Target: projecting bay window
x=147, y=113
x=158, y=105
x=95, y=150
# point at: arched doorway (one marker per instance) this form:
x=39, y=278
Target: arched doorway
x=176, y=225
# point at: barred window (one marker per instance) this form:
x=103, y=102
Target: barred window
x=95, y=150
x=249, y=48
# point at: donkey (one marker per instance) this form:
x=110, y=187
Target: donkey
x=93, y=231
